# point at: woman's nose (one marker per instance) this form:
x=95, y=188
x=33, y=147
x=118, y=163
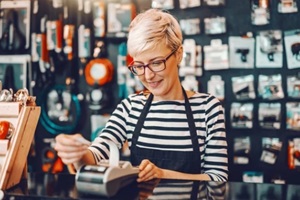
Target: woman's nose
x=148, y=73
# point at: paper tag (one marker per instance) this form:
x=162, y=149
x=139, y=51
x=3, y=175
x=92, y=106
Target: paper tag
x=9, y=109
x=3, y=146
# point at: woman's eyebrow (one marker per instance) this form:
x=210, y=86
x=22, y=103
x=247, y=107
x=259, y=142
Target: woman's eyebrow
x=152, y=59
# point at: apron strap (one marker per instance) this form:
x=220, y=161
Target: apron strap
x=140, y=122
x=191, y=123
x=195, y=190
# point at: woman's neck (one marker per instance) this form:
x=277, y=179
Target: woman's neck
x=175, y=94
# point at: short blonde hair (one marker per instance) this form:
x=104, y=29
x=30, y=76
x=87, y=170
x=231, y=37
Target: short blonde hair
x=152, y=28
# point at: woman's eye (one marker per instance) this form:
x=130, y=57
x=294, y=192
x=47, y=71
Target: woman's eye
x=157, y=63
x=138, y=67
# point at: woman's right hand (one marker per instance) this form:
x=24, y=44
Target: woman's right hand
x=70, y=148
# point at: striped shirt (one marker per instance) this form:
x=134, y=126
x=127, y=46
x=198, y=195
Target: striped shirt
x=166, y=128
x=171, y=189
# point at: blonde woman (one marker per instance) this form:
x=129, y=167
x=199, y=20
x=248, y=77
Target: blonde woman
x=172, y=133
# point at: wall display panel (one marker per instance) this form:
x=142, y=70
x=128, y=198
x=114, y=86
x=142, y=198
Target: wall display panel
x=237, y=23
x=15, y=25
x=15, y=71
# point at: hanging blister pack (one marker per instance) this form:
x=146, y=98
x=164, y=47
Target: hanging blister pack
x=294, y=153
x=287, y=6
x=42, y=49
x=216, y=55
x=260, y=14
x=14, y=26
x=184, y=4
x=241, y=51
x=271, y=149
x=216, y=87
x=190, y=83
x=214, y=2
x=162, y=4
x=269, y=115
x=190, y=26
x=293, y=116
x=293, y=86
x=243, y=87
x=99, y=18
x=54, y=25
x=270, y=87
x=292, y=48
x=241, y=148
x=84, y=31
x=188, y=65
x=269, y=49
x=119, y=16
x=253, y=177
x=15, y=71
x=241, y=115
x=199, y=70
x=215, y=25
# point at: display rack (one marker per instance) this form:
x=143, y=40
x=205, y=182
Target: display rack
x=14, y=151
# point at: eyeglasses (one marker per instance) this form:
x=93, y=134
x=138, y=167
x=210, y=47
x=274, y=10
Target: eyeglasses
x=138, y=68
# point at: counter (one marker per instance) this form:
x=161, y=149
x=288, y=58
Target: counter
x=63, y=186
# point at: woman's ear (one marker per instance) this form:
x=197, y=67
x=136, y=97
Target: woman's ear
x=179, y=54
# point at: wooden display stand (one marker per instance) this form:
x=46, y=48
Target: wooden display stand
x=14, y=151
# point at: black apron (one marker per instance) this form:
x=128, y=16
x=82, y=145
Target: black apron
x=186, y=162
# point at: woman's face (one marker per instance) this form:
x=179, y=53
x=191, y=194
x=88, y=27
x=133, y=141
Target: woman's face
x=164, y=85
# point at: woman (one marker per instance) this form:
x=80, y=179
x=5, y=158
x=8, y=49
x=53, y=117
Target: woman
x=171, y=133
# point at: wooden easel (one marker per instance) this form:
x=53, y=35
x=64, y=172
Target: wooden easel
x=14, y=152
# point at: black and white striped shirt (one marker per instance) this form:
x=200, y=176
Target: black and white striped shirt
x=166, y=128
x=177, y=189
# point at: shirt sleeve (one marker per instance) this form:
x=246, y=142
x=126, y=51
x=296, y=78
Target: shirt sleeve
x=215, y=158
x=114, y=130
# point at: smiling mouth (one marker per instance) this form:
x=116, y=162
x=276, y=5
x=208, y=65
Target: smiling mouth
x=154, y=84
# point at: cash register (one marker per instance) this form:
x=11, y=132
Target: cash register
x=107, y=178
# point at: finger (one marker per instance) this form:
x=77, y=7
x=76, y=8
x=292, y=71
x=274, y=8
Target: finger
x=70, y=147
x=143, y=164
x=145, y=178
x=69, y=161
x=64, y=141
x=75, y=154
x=146, y=172
x=69, y=158
x=79, y=139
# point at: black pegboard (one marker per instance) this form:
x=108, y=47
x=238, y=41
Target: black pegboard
x=238, y=22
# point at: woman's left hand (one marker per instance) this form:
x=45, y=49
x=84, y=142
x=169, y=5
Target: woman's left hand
x=148, y=171
x=146, y=188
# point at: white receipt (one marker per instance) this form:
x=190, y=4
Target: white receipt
x=114, y=154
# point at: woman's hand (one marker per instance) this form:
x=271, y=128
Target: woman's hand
x=70, y=148
x=146, y=188
x=149, y=171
